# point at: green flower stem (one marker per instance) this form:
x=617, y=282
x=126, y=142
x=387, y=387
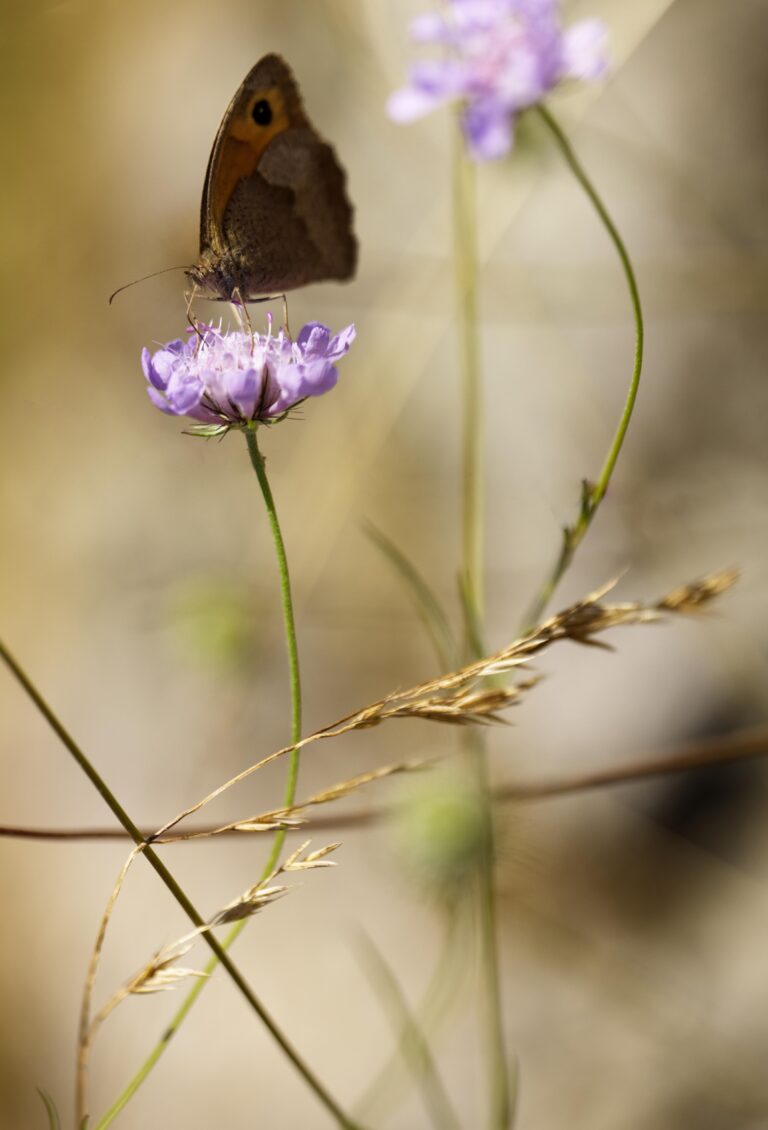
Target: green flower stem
x=592, y=494
x=472, y=591
x=257, y=459
x=465, y=243
x=124, y=1098
x=152, y=858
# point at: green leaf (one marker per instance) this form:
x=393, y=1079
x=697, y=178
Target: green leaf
x=450, y=982
x=429, y=608
x=54, y=1122
x=412, y=1044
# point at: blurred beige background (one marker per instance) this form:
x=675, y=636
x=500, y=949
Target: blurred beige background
x=139, y=588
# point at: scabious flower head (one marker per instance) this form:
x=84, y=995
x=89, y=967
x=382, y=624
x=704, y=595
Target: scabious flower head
x=234, y=379
x=500, y=57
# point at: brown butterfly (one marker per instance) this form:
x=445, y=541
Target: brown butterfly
x=275, y=213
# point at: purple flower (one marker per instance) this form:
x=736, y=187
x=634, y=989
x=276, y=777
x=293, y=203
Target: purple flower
x=234, y=379
x=499, y=58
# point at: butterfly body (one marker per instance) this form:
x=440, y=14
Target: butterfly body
x=275, y=213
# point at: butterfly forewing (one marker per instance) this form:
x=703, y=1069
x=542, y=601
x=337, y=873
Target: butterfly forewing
x=274, y=213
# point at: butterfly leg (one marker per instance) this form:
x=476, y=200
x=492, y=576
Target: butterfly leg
x=190, y=297
x=241, y=312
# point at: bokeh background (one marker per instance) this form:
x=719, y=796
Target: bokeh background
x=139, y=587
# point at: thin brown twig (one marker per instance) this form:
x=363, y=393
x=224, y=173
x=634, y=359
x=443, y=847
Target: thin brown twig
x=293, y=818
x=724, y=749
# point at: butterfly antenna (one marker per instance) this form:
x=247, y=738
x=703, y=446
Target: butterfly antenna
x=144, y=278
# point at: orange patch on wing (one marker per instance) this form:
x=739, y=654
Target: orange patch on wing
x=242, y=147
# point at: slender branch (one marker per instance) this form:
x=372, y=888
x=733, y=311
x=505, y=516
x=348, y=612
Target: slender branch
x=157, y=864
x=289, y=626
x=725, y=749
x=592, y=494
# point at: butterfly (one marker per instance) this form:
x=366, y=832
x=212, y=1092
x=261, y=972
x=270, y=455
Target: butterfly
x=275, y=214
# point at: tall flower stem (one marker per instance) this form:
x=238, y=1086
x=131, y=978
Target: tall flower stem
x=473, y=535
x=257, y=461
x=472, y=589
x=592, y=494
x=289, y=627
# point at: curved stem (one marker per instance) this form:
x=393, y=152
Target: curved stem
x=592, y=494
x=257, y=461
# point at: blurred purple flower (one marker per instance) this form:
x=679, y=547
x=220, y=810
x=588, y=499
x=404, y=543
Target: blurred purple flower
x=502, y=56
x=233, y=379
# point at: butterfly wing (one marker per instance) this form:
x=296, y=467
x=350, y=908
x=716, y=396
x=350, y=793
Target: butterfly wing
x=269, y=250
x=301, y=162
x=274, y=212
x=240, y=141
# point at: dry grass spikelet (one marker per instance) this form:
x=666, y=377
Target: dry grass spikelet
x=458, y=697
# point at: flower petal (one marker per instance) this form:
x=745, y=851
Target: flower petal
x=430, y=27
x=146, y=361
x=446, y=78
x=299, y=381
x=409, y=104
x=317, y=377
x=230, y=379
x=159, y=401
x=488, y=130
x=313, y=339
x=185, y=391
x=243, y=389
x=585, y=50
x=503, y=56
x=473, y=16
x=160, y=367
x=341, y=343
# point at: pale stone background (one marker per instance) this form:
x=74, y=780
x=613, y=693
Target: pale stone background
x=633, y=921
